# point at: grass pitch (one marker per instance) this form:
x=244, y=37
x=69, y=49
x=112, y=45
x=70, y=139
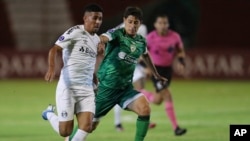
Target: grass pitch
x=205, y=108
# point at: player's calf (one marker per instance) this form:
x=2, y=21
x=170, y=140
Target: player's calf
x=94, y=126
x=144, y=109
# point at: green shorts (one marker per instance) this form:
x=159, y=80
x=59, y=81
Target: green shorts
x=107, y=98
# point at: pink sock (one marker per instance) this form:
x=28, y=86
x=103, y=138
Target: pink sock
x=148, y=95
x=169, y=107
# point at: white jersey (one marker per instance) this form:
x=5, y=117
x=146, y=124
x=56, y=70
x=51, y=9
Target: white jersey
x=79, y=57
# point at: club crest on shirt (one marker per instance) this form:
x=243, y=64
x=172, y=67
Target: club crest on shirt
x=132, y=48
x=64, y=114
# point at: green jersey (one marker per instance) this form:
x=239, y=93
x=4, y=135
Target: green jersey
x=121, y=56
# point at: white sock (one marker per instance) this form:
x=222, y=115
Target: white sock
x=80, y=135
x=117, y=114
x=53, y=119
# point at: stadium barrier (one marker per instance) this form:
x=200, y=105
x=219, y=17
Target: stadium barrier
x=25, y=64
x=218, y=63
x=200, y=63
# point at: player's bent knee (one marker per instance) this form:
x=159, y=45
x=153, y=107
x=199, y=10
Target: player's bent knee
x=65, y=128
x=65, y=133
x=158, y=102
x=144, y=109
x=158, y=99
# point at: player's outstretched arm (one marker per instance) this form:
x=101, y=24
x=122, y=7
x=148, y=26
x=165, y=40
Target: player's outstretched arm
x=100, y=56
x=50, y=74
x=147, y=59
x=103, y=39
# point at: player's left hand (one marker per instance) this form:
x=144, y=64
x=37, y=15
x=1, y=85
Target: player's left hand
x=101, y=48
x=50, y=75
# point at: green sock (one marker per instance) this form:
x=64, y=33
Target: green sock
x=73, y=133
x=141, y=127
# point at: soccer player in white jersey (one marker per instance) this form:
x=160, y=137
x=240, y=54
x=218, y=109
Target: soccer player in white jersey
x=74, y=93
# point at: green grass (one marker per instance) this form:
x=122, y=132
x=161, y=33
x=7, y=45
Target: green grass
x=205, y=108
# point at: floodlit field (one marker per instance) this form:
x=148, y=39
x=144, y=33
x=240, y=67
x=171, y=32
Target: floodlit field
x=205, y=108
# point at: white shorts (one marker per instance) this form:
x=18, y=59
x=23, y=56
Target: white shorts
x=138, y=73
x=72, y=101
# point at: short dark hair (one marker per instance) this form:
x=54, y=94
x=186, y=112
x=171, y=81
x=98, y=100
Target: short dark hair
x=134, y=11
x=161, y=15
x=92, y=8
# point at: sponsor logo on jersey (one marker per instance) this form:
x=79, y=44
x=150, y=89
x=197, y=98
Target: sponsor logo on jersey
x=88, y=51
x=127, y=58
x=84, y=33
x=138, y=42
x=121, y=55
x=85, y=41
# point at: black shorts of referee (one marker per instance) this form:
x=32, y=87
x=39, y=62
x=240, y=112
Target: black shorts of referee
x=164, y=72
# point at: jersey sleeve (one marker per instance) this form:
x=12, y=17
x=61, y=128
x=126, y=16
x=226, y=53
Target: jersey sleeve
x=111, y=34
x=142, y=30
x=65, y=39
x=146, y=50
x=179, y=43
x=145, y=46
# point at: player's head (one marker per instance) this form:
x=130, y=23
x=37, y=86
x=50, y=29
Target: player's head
x=132, y=19
x=161, y=23
x=92, y=18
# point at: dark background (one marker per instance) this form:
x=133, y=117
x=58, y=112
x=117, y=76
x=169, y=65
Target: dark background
x=216, y=30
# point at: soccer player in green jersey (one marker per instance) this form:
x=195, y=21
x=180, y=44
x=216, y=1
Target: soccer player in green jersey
x=123, y=49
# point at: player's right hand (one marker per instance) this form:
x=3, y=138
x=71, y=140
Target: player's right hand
x=50, y=75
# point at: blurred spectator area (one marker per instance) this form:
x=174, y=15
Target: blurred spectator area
x=34, y=24
x=224, y=23
x=6, y=35
x=215, y=32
